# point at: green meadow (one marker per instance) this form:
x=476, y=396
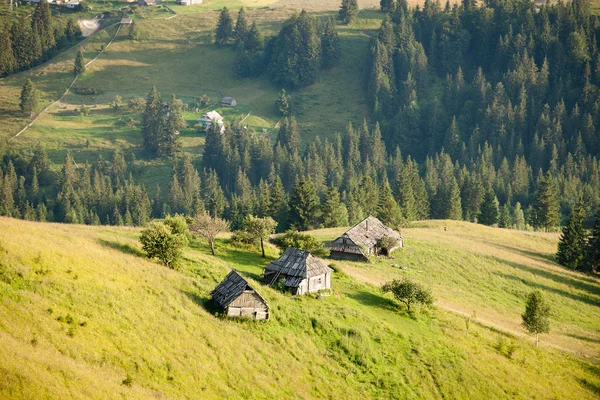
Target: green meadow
x=83, y=314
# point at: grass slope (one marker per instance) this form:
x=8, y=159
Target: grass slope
x=490, y=271
x=81, y=309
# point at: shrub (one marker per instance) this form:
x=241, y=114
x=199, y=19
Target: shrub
x=387, y=243
x=88, y=91
x=408, y=292
x=163, y=242
x=138, y=104
x=243, y=239
x=302, y=241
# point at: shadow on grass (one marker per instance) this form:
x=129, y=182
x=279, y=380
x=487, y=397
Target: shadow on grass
x=576, y=297
x=372, y=300
x=584, y=338
x=122, y=247
x=592, y=287
x=203, y=301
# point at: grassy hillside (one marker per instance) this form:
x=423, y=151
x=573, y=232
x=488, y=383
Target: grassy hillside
x=81, y=309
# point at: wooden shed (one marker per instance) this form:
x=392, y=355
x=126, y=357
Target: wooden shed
x=238, y=299
x=301, y=272
x=363, y=240
x=228, y=102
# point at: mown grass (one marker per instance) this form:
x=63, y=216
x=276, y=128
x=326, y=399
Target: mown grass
x=81, y=309
x=490, y=271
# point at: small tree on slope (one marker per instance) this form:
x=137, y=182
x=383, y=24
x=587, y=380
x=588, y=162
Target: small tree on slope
x=593, y=250
x=535, y=318
x=408, y=292
x=571, y=247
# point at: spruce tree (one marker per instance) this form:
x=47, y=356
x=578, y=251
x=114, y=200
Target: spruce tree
x=29, y=98
x=169, y=140
x=545, y=210
x=388, y=210
x=348, y=11
x=214, y=198
x=387, y=5
x=79, y=66
x=333, y=211
x=255, y=39
x=489, y=209
x=289, y=135
x=224, y=32
x=572, y=244
x=593, y=249
x=283, y=104
x=152, y=122
x=330, y=45
x=304, y=205
x=240, y=33
x=42, y=26
x=8, y=63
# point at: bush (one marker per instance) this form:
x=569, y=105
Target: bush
x=408, y=292
x=302, y=241
x=387, y=243
x=138, y=104
x=243, y=239
x=164, y=242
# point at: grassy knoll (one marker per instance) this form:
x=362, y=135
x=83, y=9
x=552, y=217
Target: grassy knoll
x=490, y=271
x=81, y=309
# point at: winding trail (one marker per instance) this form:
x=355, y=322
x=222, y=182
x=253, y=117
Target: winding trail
x=29, y=125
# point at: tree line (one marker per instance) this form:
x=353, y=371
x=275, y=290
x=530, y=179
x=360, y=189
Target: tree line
x=35, y=38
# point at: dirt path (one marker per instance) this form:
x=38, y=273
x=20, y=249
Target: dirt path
x=66, y=91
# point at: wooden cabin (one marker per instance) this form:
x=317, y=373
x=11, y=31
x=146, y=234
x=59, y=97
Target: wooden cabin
x=300, y=271
x=363, y=240
x=236, y=298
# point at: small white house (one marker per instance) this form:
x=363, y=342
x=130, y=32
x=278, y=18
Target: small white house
x=210, y=118
x=73, y=4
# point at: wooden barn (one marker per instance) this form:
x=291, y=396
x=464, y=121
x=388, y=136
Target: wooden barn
x=363, y=240
x=300, y=270
x=238, y=299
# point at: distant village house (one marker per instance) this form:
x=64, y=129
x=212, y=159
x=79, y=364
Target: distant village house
x=300, y=271
x=188, y=2
x=364, y=240
x=210, y=118
x=236, y=298
x=228, y=102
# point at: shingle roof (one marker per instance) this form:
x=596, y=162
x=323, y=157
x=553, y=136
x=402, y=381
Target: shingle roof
x=231, y=288
x=296, y=265
x=368, y=232
x=227, y=100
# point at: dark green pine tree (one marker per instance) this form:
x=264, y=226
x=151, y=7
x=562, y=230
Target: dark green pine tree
x=214, y=198
x=213, y=154
x=170, y=140
x=29, y=98
x=254, y=40
x=454, y=208
x=224, y=32
x=388, y=210
x=304, y=205
x=387, y=5
x=333, y=211
x=330, y=45
x=545, y=210
x=593, y=250
x=240, y=33
x=23, y=43
x=348, y=11
x=283, y=104
x=572, y=244
x=289, y=135
x=452, y=139
x=79, y=66
x=296, y=52
x=152, y=121
x=8, y=63
x=489, y=209
x=42, y=26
